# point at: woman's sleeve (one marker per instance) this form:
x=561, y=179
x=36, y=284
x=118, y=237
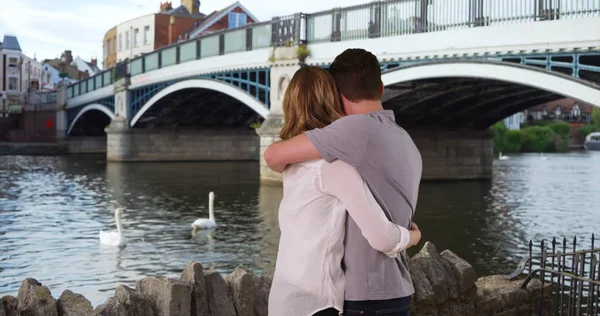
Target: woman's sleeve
x=344, y=182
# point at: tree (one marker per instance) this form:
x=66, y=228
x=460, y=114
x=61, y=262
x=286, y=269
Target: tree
x=596, y=117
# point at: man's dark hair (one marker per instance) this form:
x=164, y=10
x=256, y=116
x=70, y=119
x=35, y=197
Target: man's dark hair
x=357, y=75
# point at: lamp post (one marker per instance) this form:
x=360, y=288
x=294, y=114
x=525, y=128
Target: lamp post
x=63, y=67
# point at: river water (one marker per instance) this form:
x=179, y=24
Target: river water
x=52, y=208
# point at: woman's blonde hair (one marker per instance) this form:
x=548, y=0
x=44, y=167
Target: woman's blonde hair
x=311, y=101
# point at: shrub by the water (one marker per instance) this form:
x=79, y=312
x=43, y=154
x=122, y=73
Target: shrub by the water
x=553, y=137
x=585, y=130
x=499, y=131
x=512, y=141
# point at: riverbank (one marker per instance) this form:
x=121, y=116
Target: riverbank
x=74, y=145
x=445, y=284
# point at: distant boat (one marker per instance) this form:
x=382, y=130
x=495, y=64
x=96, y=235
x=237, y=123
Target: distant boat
x=592, y=142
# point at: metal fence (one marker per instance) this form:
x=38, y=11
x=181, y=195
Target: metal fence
x=47, y=97
x=574, y=273
x=371, y=20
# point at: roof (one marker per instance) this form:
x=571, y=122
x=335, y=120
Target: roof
x=11, y=42
x=183, y=11
x=216, y=16
x=93, y=67
x=566, y=105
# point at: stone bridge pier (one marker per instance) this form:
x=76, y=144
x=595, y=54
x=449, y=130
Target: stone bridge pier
x=125, y=143
x=446, y=154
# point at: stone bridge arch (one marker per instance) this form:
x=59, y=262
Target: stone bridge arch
x=476, y=93
x=87, y=108
x=207, y=84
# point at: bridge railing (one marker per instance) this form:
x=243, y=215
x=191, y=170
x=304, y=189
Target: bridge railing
x=401, y=17
x=371, y=20
x=46, y=97
x=98, y=81
x=245, y=38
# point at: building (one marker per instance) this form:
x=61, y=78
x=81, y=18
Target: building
x=147, y=33
x=514, y=121
x=18, y=72
x=566, y=109
x=90, y=67
x=67, y=67
x=233, y=16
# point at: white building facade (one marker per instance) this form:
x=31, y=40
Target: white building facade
x=135, y=37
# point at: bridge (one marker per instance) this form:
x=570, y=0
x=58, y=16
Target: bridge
x=450, y=68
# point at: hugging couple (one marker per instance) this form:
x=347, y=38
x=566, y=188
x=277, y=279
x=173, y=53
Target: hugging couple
x=350, y=184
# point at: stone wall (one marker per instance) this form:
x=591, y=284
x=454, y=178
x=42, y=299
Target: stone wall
x=184, y=145
x=86, y=145
x=447, y=155
x=458, y=154
x=444, y=285
x=269, y=133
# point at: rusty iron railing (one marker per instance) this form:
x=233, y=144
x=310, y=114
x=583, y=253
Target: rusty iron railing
x=574, y=274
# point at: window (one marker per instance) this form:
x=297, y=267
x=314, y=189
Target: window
x=120, y=42
x=114, y=44
x=237, y=19
x=127, y=40
x=12, y=83
x=146, y=34
x=136, y=37
x=13, y=61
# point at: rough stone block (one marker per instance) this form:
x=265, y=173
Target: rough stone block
x=194, y=273
x=170, y=297
x=497, y=294
x=463, y=271
x=2, y=311
x=73, y=304
x=219, y=298
x=441, y=277
x=262, y=288
x=135, y=303
x=11, y=305
x=36, y=299
x=241, y=286
x=423, y=290
x=111, y=307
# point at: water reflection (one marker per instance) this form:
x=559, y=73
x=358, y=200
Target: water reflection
x=52, y=208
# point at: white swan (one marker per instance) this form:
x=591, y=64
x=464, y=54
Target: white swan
x=205, y=223
x=542, y=157
x=503, y=157
x=114, y=238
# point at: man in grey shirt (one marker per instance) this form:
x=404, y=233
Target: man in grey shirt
x=388, y=160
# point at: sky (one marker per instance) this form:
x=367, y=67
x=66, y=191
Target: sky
x=46, y=28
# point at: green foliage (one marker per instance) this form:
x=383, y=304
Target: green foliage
x=499, y=131
x=596, y=117
x=585, y=130
x=561, y=128
x=512, y=141
x=551, y=138
x=537, y=139
x=255, y=125
x=302, y=52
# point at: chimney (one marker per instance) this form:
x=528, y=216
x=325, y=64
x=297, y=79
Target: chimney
x=164, y=7
x=94, y=61
x=172, y=31
x=192, y=5
x=68, y=57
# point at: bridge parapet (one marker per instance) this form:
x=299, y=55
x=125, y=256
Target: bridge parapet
x=365, y=21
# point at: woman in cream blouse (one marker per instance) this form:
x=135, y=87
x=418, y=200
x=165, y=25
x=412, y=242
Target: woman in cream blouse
x=308, y=278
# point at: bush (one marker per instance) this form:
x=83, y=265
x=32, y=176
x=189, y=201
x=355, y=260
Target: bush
x=538, y=139
x=561, y=128
x=596, y=117
x=499, y=131
x=585, y=130
x=512, y=141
